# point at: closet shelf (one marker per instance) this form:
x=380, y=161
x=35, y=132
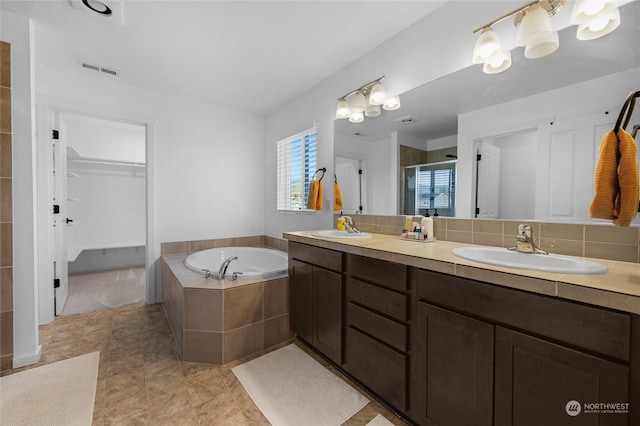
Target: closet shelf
x=73, y=155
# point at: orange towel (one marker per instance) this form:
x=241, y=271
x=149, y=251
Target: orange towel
x=616, y=180
x=626, y=205
x=337, y=195
x=606, y=179
x=314, y=200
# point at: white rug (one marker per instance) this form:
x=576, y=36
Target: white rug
x=61, y=393
x=291, y=388
x=379, y=420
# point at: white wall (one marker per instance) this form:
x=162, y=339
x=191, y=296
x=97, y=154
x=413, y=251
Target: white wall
x=207, y=161
x=18, y=31
x=408, y=60
x=602, y=96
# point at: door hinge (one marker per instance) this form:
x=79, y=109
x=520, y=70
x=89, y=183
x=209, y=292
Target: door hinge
x=479, y=157
x=360, y=171
x=55, y=134
x=56, y=283
x=56, y=209
x=477, y=210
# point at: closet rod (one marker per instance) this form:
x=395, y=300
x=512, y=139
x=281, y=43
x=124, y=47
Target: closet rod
x=111, y=163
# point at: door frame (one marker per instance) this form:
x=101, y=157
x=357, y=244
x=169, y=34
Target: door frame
x=45, y=107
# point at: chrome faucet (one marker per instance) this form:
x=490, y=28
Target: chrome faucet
x=524, y=241
x=224, y=266
x=351, y=227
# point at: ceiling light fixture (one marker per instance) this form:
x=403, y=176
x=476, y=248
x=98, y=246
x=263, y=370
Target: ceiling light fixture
x=594, y=18
x=366, y=102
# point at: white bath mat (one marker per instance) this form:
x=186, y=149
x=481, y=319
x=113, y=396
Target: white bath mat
x=379, y=420
x=291, y=388
x=58, y=394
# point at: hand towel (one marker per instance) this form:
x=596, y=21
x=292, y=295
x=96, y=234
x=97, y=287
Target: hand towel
x=617, y=186
x=606, y=179
x=626, y=205
x=337, y=195
x=314, y=200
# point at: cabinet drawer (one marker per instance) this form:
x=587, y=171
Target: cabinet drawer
x=377, y=298
x=600, y=330
x=388, y=274
x=378, y=367
x=389, y=331
x=325, y=258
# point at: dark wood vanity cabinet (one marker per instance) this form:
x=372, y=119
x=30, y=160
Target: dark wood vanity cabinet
x=444, y=350
x=315, y=276
x=453, y=368
x=492, y=355
x=377, y=316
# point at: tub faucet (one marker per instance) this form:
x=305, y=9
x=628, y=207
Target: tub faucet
x=351, y=227
x=524, y=241
x=224, y=266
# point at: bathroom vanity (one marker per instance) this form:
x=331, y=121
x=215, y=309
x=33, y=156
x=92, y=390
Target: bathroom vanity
x=447, y=341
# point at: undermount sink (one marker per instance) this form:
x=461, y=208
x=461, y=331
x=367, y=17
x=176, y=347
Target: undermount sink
x=533, y=262
x=334, y=233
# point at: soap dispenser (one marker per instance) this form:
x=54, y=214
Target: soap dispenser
x=340, y=223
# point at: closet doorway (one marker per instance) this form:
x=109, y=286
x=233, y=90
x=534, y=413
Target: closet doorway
x=105, y=220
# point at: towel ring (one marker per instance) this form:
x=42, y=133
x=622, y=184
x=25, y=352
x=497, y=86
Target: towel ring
x=323, y=170
x=627, y=111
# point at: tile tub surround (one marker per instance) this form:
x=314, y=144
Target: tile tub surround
x=603, y=241
x=618, y=289
x=220, y=321
x=188, y=247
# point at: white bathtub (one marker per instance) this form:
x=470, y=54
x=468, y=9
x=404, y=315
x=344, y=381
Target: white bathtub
x=253, y=262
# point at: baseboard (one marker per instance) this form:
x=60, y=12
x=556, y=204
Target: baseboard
x=27, y=359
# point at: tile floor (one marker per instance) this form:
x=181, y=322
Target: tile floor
x=141, y=381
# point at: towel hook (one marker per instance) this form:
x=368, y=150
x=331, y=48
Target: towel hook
x=627, y=111
x=323, y=170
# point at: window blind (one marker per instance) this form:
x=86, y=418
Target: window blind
x=296, y=164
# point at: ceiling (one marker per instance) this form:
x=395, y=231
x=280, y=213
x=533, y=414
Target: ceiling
x=246, y=55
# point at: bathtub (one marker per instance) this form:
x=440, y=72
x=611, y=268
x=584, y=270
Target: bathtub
x=253, y=262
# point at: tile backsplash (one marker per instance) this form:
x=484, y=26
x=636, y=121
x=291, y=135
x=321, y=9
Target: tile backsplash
x=595, y=241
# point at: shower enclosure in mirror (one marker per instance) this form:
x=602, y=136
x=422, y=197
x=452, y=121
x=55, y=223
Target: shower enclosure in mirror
x=429, y=188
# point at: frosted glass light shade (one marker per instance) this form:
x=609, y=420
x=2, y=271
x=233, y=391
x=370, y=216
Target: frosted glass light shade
x=343, y=110
x=377, y=95
x=372, y=111
x=585, y=10
x=543, y=48
x=535, y=26
x=499, y=62
x=600, y=25
x=356, y=117
x=359, y=102
x=487, y=44
x=392, y=103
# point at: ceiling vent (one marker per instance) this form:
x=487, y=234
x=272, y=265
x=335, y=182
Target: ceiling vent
x=407, y=119
x=101, y=69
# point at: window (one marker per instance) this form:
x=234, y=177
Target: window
x=435, y=188
x=296, y=157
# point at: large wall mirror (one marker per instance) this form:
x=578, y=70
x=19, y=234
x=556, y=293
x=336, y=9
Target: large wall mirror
x=537, y=127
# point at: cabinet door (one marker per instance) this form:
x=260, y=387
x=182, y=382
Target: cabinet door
x=453, y=368
x=536, y=380
x=301, y=288
x=328, y=314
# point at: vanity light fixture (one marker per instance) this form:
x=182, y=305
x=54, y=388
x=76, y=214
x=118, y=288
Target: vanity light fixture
x=366, y=102
x=594, y=18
